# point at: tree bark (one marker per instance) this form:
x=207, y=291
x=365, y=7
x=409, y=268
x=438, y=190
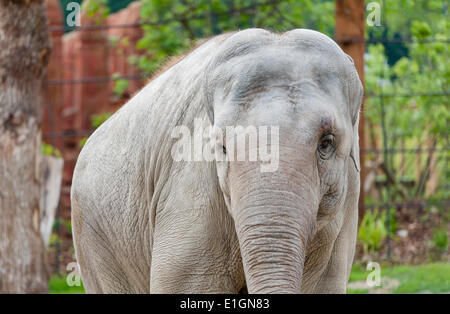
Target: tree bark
x=24, y=53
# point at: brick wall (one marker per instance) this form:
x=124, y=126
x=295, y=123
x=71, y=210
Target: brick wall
x=77, y=56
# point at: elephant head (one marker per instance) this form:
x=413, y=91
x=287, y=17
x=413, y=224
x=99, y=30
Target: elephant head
x=303, y=85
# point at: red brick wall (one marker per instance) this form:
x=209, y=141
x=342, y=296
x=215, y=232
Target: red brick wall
x=80, y=55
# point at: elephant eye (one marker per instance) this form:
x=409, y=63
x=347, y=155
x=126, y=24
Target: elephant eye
x=224, y=149
x=326, y=146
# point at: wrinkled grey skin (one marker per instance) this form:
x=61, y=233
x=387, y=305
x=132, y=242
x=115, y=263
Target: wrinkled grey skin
x=145, y=223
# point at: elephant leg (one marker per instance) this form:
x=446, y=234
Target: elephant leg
x=195, y=255
x=101, y=273
x=100, y=269
x=186, y=273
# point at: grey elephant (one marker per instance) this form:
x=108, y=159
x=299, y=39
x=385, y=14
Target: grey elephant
x=144, y=222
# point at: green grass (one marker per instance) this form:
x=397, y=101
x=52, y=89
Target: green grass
x=58, y=285
x=429, y=278
x=358, y=273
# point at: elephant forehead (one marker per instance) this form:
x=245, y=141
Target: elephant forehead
x=278, y=58
x=257, y=42
x=277, y=67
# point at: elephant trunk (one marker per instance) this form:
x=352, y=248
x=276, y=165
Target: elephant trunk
x=274, y=226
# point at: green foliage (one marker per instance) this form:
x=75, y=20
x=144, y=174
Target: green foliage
x=420, y=30
x=412, y=121
x=398, y=16
x=175, y=25
x=96, y=9
x=426, y=71
x=49, y=150
x=120, y=85
x=68, y=225
x=440, y=239
x=392, y=220
x=372, y=231
x=54, y=239
x=82, y=142
x=98, y=119
x=62, y=222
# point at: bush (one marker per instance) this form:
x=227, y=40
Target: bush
x=440, y=240
x=372, y=231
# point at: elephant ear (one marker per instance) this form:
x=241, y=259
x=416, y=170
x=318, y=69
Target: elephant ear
x=354, y=154
x=355, y=93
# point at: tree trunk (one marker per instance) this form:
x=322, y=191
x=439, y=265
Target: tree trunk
x=24, y=53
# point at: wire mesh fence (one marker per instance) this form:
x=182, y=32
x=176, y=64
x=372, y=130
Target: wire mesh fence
x=406, y=172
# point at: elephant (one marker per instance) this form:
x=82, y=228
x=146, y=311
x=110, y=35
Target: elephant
x=144, y=222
